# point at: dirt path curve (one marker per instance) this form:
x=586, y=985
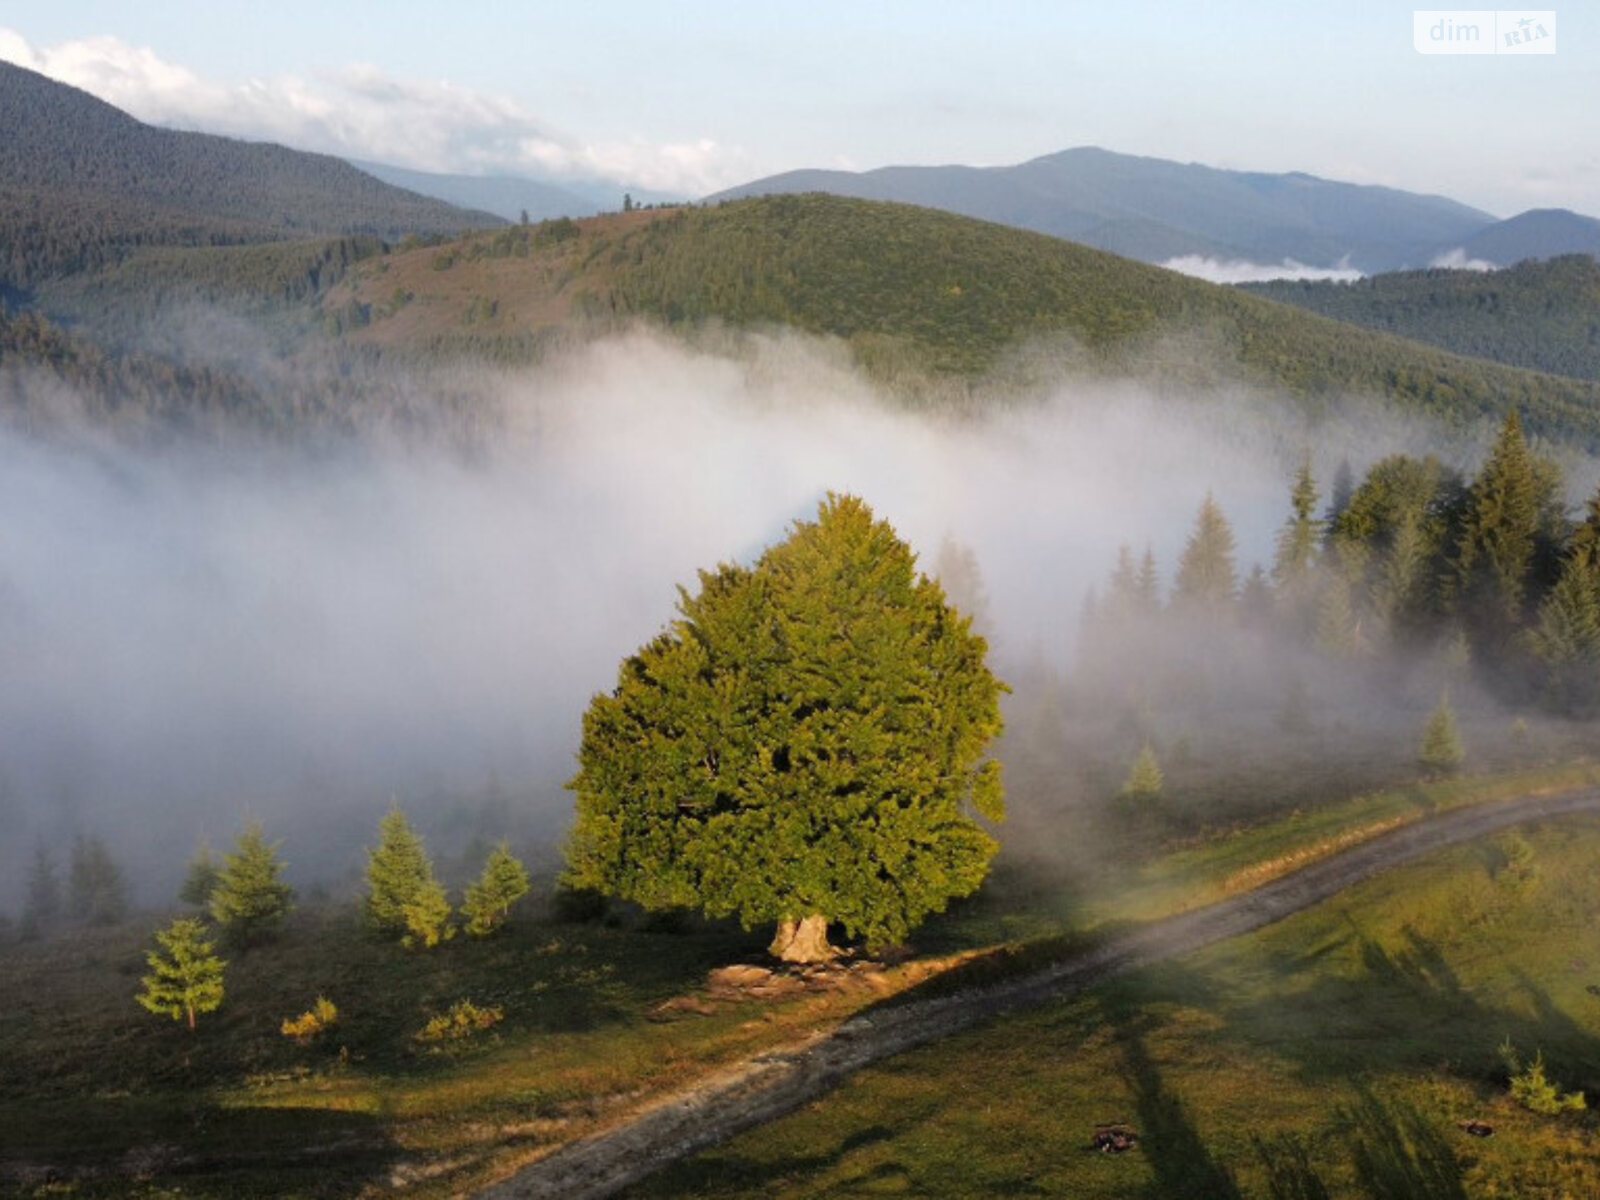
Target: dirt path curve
x=752, y=1093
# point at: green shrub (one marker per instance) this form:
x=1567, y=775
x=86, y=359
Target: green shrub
x=305, y=1028
x=1532, y=1090
x=462, y=1021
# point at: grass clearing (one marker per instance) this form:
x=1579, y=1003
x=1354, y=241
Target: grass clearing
x=98, y=1097
x=1339, y=1048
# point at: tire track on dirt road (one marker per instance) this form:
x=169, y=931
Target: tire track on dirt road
x=759, y=1090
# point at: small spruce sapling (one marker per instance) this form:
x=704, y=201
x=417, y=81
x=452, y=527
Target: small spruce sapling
x=403, y=897
x=489, y=901
x=186, y=974
x=200, y=877
x=42, y=908
x=1441, y=743
x=1145, y=780
x=249, y=900
x=1532, y=1090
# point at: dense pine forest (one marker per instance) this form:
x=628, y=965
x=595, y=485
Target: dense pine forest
x=1543, y=315
x=1414, y=567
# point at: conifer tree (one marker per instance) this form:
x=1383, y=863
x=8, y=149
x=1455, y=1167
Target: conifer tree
x=1294, y=560
x=249, y=899
x=1566, y=636
x=1498, y=539
x=1148, y=587
x=41, y=909
x=958, y=573
x=96, y=891
x=186, y=974
x=1206, y=582
x=1441, y=742
x=1338, y=634
x=1255, y=600
x=1399, y=592
x=1145, y=779
x=200, y=877
x=403, y=897
x=1122, y=593
x=1344, y=486
x=1586, y=537
x=806, y=744
x=488, y=902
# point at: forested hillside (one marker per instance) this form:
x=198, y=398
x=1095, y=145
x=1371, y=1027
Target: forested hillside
x=1543, y=315
x=912, y=290
x=82, y=183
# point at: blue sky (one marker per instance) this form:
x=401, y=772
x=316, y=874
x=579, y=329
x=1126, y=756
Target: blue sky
x=692, y=97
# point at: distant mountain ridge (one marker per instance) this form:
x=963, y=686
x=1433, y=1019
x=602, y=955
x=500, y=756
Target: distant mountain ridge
x=1153, y=210
x=82, y=181
x=1537, y=233
x=507, y=196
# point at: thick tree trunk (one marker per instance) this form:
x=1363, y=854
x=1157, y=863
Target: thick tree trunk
x=804, y=941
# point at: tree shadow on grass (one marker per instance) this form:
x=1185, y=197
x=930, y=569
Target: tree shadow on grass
x=106, y=1146
x=1290, y=1175
x=720, y=1169
x=1399, y=1155
x=1184, y=1167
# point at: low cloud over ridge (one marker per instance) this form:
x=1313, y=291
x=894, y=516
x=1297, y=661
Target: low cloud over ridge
x=1217, y=270
x=359, y=112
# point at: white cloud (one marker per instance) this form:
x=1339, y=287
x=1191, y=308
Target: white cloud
x=360, y=112
x=1236, y=270
x=1457, y=260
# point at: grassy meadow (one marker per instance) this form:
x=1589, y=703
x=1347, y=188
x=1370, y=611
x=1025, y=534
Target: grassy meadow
x=99, y=1098
x=1331, y=1055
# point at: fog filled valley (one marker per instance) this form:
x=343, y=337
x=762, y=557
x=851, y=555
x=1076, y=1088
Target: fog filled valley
x=682, y=604
x=199, y=631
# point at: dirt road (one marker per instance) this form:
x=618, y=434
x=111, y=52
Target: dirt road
x=752, y=1093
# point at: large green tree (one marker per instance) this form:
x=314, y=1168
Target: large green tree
x=806, y=745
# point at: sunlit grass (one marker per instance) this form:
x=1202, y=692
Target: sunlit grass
x=93, y=1082
x=1344, y=1044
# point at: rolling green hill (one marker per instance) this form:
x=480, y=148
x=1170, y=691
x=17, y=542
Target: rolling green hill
x=919, y=297
x=909, y=290
x=1543, y=315
x=82, y=184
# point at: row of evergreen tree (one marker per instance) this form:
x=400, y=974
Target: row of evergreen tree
x=1490, y=571
x=94, y=890
x=243, y=893
x=244, y=896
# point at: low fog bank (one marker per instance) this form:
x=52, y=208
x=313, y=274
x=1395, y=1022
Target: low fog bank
x=196, y=635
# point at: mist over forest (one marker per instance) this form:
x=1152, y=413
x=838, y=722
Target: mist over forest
x=201, y=632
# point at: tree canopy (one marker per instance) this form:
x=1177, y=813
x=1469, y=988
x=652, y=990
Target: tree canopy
x=805, y=744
